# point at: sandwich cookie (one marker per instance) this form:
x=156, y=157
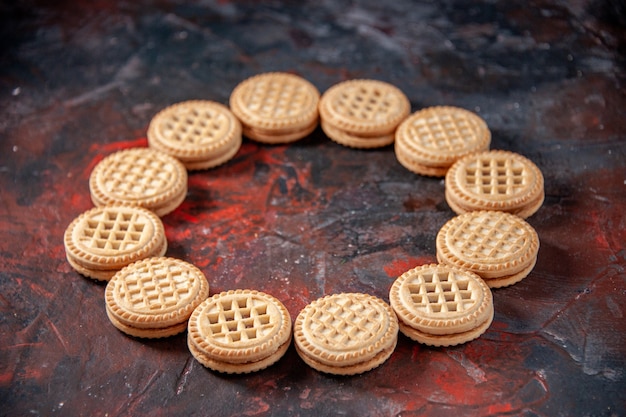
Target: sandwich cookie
x=500, y=247
x=363, y=113
x=441, y=305
x=494, y=180
x=154, y=297
x=239, y=331
x=144, y=177
x=103, y=240
x=429, y=141
x=346, y=334
x=276, y=107
x=201, y=134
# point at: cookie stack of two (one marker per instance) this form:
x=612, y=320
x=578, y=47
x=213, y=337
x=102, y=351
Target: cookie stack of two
x=363, y=113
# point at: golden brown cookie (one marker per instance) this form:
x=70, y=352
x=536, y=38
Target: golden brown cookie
x=276, y=107
x=200, y=133
x=346, y=334
x=500, y=247
x=495, y=180
x=154, y=297
x=103, y=240
x=141, y=176
x=363, y=113
x=239, y=331
x=429, y=141
x=441, y=305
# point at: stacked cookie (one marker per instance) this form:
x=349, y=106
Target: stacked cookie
x=430, y=140
x=495, y=180
x=239, y=331
x=154, y=297
x=363, y=113
x=440, y=305
x=346, y=334
x=103, y=240
x=276, y=107
x=500, y=247
x=200, y=133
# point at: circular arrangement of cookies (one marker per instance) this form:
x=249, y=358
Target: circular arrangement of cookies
x=488, y=244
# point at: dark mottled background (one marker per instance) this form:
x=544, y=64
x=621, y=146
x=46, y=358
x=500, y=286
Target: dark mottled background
x=79, y=80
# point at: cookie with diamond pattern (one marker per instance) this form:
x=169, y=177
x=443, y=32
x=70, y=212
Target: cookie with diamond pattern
x=144, y=177
x=239, y=331
x=154, y=297
x=500, y=247
x=429, y=141
x=346, y=333
x=200, y=133
x=494, y=180
x=276, y=107
x=441, y=305
x=103, y=240
x=363, y=113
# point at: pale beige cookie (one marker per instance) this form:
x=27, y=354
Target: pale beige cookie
x=154, y=297
x=441, y=305
x=239, y=331
x=276, y=107
x=495, y=180
x=103, y=240
x=435, y=137
x=351, y=141
x=200, y=133
x=364, y=108
x=496, y=245
x=346, y=334
x=141, y=176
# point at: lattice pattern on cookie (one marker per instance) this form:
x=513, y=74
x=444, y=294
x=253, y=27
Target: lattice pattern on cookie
x=345, y=322
x=366, y=102
x=239, y=320
x=113, y=230
x=275, y=98
x=444, y=131
x=156, y=287
x=194, y=126
x=497, y=176
x=441, y=292
x=137, y=175
x=488, y=237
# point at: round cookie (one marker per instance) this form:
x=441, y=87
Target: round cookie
x=430, y=140
x=345, y=334
x=364, y=108
x=103, y=240
x=154, y=297
x=200, y=133
x=276, y=107
x=500, y=247
x=441, y=305
x=141, y=176
x=495, y=180
x=239, y=331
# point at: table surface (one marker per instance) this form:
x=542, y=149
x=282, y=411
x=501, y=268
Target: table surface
x=80, y=81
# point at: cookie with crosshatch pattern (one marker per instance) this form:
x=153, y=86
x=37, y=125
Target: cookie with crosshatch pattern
x=276, y=107
x=494, y=180
x=239, y=331
x=441, y=305
x=429, y=141
x=363, y=113
x=103, y=240
x=200, y=133
x=144, y=177
x=346, y=333
x=500, y=247
x=154, y=297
